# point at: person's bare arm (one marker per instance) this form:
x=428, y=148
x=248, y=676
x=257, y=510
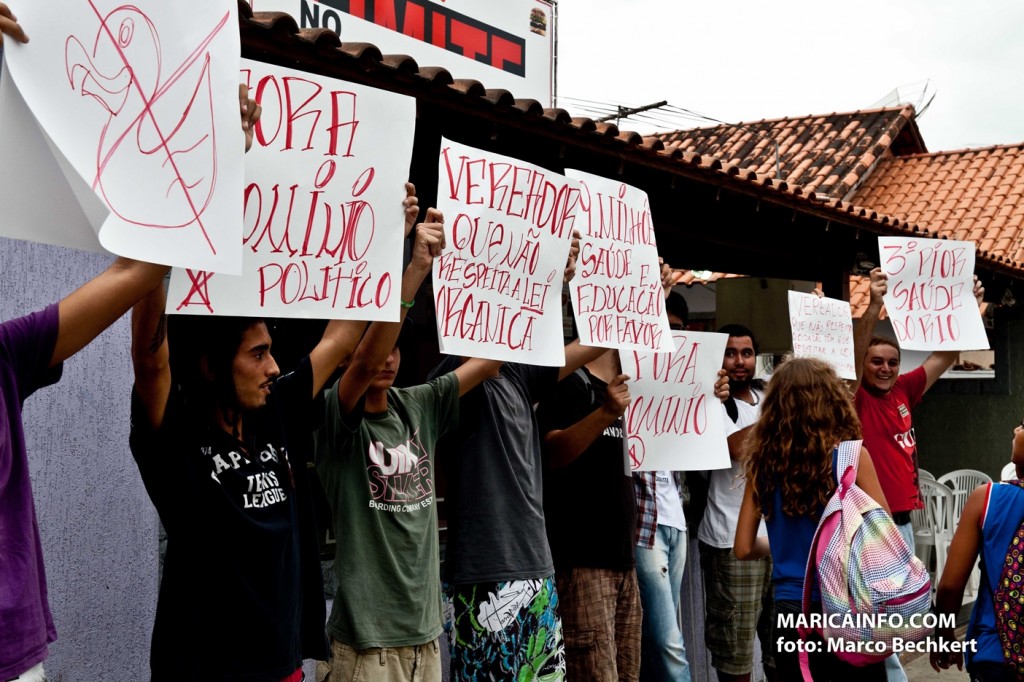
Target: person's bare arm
x=865, y=327
x=936, y=364
x=150, y=355
x=98, y=303
x=474, y=372
x=963, y=552
x=738, y=444
x=342, y=338
x=373, y=350
x=867, y=480
x=562, y=446
x=747, y=545
x=9, y=26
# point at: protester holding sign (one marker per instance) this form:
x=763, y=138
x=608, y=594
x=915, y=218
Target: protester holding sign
x=375, y=455
x=33, y=349
x=592, y=545
x=220, y=438
x=884, y=399
x=498, y=565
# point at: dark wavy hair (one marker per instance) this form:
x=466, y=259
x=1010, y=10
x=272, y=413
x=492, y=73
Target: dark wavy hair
x=217, y=339
x=805, y=413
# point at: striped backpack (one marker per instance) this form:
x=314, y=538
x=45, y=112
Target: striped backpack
x=873, y=588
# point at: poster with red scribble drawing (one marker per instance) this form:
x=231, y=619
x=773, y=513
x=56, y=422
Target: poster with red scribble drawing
x=142, y=103
x=323, y=217
x=930, y=299
x=498, y=284
x=617, y=297
x=675, y=422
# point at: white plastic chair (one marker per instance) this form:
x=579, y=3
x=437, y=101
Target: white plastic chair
x=933, y=525
x=924, y=473
x=963, y=482
x=1009, y=472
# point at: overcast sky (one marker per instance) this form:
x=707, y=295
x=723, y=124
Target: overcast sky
x=747, y=60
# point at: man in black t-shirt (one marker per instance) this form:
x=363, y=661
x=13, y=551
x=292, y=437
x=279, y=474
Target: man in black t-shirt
x=590, y=513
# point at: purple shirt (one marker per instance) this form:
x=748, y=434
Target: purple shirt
x=26, y=626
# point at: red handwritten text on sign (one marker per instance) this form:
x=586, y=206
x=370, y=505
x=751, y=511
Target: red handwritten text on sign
x=322, y=204
x=617, y=293
x=508, y=225
x=930, y=298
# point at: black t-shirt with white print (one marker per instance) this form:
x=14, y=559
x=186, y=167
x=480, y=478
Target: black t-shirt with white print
x=231, y=600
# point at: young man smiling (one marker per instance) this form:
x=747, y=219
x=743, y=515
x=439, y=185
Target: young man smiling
x=884, y=399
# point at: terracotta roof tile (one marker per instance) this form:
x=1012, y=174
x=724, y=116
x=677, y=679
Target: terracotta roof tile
x=829, y=154
x=980, y=200
x=840, y=147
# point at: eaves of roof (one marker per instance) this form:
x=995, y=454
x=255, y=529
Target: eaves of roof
x=275, y=37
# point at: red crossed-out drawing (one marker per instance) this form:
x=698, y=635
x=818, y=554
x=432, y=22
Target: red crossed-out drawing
x=160, y=130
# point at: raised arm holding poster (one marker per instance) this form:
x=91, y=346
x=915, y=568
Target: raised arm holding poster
x=138, y=107
x=325, y=180
x=617, y=296
x=930, y=300
x=498, y=285
x=823, y=329
x=674, y=422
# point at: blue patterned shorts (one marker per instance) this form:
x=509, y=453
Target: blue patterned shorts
x=507, y=631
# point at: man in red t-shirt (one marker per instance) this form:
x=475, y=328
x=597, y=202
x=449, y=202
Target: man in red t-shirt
x=884, y=400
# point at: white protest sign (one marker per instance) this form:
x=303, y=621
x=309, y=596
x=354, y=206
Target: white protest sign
x=498, y=284
x=674, y=421
x=325, y=180
x=617, y=296
x=930, y=299
x=142, y=102
x=823, y=329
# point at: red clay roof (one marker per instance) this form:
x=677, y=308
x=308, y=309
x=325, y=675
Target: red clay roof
x=275, y=36
x=829, y=154
x=970, y=194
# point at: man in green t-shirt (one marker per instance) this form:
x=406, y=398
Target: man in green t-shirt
x=375, y=455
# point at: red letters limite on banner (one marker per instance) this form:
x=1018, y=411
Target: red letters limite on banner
x=498, y=284
x=617, y=296
x=324, y=222
x=930, y=300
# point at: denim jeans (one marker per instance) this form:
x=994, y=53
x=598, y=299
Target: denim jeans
x=659, y=573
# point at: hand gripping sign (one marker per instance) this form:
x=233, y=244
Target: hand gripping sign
x=498, y=284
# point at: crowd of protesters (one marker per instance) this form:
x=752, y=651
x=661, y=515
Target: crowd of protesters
x=560, y=564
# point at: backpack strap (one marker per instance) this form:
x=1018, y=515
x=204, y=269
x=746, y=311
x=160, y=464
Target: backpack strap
x=847, y=459
x=847, y=456
x=1008, y=610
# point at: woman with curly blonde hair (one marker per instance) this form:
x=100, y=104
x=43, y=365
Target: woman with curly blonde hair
x=807, y=411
